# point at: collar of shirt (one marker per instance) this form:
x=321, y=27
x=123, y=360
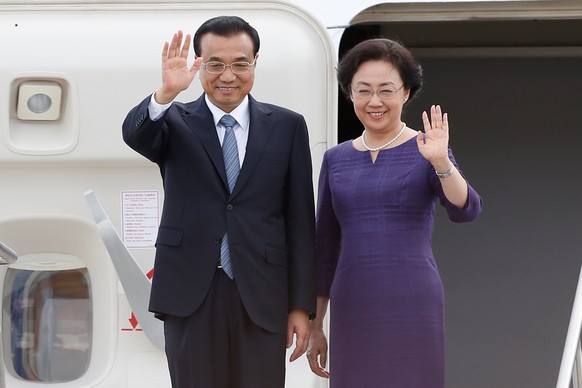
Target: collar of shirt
x=240, y=113
x=242, y=116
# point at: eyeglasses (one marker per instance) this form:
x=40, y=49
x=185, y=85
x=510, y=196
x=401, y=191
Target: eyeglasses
x=235, y=67
x=366, y=94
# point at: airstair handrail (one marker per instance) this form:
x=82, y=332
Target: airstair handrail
x=7, y=256
x=571, y=366
x=135, y=283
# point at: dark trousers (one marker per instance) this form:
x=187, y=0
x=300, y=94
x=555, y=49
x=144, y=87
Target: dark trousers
x=220, y=347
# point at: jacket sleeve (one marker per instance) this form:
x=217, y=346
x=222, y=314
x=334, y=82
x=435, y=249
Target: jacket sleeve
x=145, y=136
x=300, y=222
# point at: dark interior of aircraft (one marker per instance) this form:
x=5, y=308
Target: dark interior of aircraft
x=511, y=85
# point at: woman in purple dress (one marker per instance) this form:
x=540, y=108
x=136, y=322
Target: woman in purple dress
x=375, y=217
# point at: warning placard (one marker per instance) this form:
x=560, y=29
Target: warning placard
x=141, y=210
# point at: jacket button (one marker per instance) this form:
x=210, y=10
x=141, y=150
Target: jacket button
x=216, y=240
x=229, y=207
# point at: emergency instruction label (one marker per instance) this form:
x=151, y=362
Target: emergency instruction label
x=140, y=218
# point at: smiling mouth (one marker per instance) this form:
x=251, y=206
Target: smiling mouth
x=376, y=114
x=226, y=88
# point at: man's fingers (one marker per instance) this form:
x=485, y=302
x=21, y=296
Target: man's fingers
x=165, y=51
x=175, y=44
x=300, y=348
x=196, y=65
x=185, y=47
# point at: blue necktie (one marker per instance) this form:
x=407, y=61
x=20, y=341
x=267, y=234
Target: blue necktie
x=231, y=163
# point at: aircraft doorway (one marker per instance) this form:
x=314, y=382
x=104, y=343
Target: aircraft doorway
x=510, y=80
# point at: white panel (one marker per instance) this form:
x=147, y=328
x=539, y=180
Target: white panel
x=106, y=57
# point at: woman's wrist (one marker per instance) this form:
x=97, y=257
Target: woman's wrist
x=316, y=324
x=441, y=166
x=447, y=173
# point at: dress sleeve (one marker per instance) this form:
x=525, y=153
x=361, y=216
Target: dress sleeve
x=457, y=214
x=327, y=232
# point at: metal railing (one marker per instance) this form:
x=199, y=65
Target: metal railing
x=7, y=256
x=570, y=375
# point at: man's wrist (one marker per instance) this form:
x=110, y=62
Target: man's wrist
x=163, y=98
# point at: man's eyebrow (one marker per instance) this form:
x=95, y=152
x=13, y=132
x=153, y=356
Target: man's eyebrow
x=218, y=59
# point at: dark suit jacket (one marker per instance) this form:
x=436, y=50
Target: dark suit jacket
x=269, y=215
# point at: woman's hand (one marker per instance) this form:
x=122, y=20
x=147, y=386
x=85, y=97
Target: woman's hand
x=317, y=352
x=434, y=146
x=434, y=143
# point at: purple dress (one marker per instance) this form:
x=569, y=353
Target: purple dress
x=375, y=262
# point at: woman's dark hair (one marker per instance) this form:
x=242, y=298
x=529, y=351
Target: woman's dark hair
x=380, y=49
x=226, y=26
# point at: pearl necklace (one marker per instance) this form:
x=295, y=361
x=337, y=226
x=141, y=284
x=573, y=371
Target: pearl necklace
x=382, y=146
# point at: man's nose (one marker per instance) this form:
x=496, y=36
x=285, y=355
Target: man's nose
x=227, y=74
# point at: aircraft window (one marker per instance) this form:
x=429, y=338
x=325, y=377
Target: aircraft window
x=47, y=324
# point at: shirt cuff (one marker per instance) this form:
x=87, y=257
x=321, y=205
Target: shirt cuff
x=156, y=110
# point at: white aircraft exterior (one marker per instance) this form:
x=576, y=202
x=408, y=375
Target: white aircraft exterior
x=79, y=210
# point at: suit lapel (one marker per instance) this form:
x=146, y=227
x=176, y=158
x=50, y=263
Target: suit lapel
x=199, y=119
x=260, y=130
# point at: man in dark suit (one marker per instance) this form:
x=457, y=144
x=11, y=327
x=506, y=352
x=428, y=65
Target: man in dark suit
x=233, y=274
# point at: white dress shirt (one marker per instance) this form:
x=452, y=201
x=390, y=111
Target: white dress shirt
x=240, y=113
